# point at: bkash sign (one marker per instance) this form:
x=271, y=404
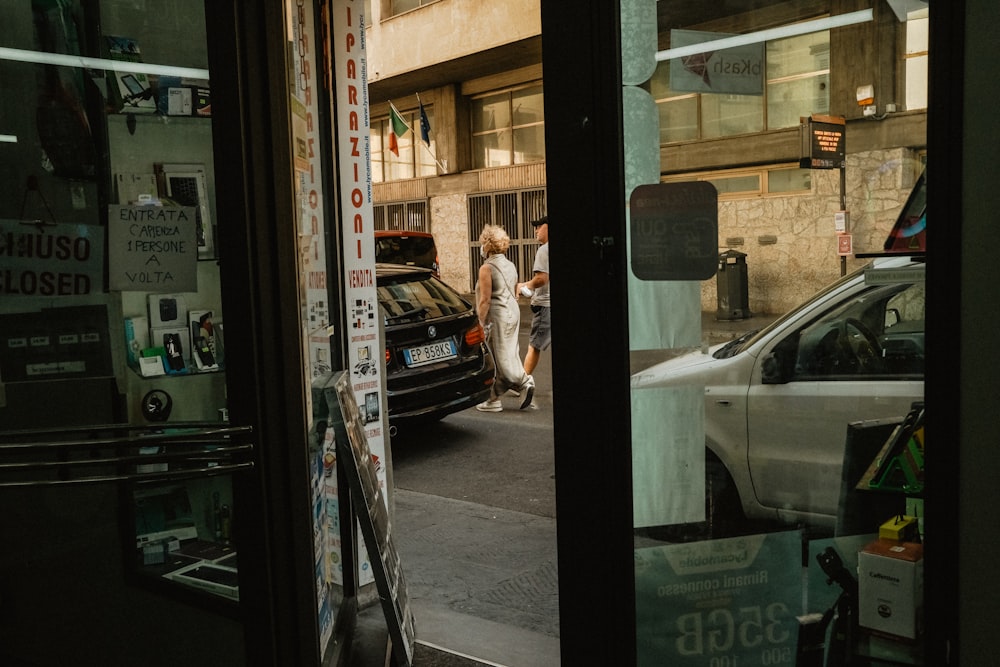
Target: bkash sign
x=735, y=71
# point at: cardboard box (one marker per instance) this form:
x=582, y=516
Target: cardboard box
x=891, y=588
x=167, y=310
x=178, y=101
x=182, y=96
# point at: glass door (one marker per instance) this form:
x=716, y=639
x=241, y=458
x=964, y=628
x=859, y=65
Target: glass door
x=765, y=319
x=777, y=458
x=121, y=471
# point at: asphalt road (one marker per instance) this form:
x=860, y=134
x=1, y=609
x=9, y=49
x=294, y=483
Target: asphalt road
x=498, y=459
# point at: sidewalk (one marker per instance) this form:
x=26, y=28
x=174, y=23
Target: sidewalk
x=489, y=598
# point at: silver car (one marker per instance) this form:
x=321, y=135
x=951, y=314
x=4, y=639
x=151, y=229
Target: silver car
x=778, y=401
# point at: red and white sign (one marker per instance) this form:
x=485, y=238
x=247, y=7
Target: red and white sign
x=845, y=245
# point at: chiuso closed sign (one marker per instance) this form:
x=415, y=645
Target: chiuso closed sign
x=48, y=259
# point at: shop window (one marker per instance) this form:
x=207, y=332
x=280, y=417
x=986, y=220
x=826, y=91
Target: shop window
x=797, y=84
x=736, y=184
x=916, y=63
x=397, y=7
x=412, y=157
x=508, y=127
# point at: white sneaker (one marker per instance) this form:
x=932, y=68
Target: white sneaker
x=490, y=406
x=514, y=392
x=529, y=392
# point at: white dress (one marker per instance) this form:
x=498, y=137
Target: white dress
x=505, y=316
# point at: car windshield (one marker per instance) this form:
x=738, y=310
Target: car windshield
x=414, y=298
x=747, y=340
x=734, y=346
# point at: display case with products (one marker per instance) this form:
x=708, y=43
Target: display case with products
x=163, y=263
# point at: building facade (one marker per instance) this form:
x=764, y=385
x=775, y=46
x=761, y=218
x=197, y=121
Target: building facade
x=482, y=89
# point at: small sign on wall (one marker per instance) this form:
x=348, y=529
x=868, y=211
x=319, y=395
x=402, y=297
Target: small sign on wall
x=152, y=248
x=845, y=244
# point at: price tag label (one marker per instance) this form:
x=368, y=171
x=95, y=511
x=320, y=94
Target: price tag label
x=721, y=603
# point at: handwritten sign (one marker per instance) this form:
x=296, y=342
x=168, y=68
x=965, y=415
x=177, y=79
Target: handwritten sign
x=152, y=248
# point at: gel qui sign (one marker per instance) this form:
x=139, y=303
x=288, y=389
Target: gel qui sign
x=674, y=229
x=47, y=259
x=722, y=602
x=152, y=248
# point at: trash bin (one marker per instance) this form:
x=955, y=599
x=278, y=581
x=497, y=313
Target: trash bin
x=731, y=282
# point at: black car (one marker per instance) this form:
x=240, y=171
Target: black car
x=436, y=357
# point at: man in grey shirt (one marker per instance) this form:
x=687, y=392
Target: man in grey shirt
x=540, y=336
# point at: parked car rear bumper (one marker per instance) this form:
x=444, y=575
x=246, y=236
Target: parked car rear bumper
x=440, y=399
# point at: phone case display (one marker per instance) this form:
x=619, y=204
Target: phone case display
x=172, y=340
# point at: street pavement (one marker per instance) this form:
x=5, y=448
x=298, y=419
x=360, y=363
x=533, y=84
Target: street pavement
x=475, y=532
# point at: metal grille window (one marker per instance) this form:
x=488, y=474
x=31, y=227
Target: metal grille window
x=410, y=216
x=513, y=211
x=508, y=127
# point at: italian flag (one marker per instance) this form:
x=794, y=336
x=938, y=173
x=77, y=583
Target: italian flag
x=399, y=128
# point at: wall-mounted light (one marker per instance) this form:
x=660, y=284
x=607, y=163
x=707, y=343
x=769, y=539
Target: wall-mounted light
x=866, y=99
x=866, y=95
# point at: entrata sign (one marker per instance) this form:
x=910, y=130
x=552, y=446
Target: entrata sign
x=152, y=248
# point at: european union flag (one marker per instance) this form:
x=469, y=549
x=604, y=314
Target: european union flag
x=425, y=125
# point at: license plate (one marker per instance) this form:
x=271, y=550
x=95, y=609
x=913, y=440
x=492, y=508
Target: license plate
x=427, y=354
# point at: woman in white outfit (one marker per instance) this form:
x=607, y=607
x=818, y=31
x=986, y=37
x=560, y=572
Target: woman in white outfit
x=496, y=304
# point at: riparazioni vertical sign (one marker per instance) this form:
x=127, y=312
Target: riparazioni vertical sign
x=365, y=345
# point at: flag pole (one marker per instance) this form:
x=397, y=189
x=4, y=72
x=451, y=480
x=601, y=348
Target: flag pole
x=427, y=144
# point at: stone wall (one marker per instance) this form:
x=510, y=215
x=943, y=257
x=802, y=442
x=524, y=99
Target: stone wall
x=450, y=226
x=790, y=242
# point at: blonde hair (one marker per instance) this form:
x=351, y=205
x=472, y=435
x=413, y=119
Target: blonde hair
x=494, y=239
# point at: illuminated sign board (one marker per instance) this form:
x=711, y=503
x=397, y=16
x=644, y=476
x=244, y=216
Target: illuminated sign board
x=822, y=142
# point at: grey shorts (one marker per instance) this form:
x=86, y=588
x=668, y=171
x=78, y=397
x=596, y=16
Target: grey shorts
x=540, y=336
